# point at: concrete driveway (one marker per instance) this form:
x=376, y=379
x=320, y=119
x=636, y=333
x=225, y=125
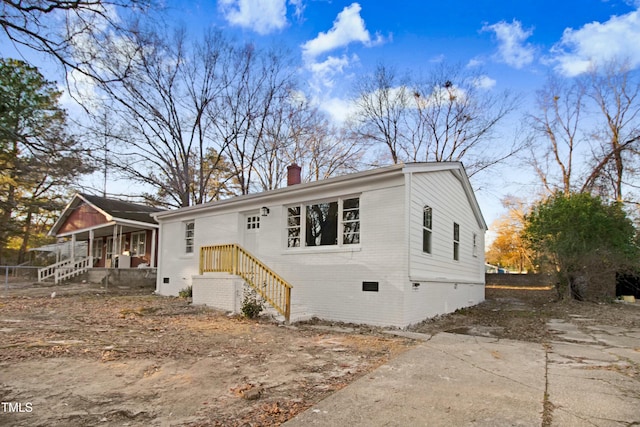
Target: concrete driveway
x=585, y=377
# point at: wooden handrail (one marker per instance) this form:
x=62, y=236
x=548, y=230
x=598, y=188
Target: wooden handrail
x=234, y=259
x=65, y=269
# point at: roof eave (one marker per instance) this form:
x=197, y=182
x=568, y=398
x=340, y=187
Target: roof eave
x=359, y=177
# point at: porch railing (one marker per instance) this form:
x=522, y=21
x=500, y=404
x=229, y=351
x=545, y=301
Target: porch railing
x=64, y=269
x=234, y=259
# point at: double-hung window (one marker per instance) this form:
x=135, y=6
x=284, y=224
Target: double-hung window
x=138, y=243
x=475, y=244
x=351, y=221
x=97, y=248
x=293, y=227
x=327, y=223
x=189, y=230
x=427, y=228
x=456, y=241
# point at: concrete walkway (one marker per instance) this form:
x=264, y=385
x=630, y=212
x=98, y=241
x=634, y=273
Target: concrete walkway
x=581, y=379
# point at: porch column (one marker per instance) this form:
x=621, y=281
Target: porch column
x=73, y=246
x=90, y=254
x=152, y=261
x=114, y=246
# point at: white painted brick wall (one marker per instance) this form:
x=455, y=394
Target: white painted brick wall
x=217, y=290
x=430, y=299
x=327, y=281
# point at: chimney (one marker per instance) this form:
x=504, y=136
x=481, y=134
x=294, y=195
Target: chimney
x=293, y=174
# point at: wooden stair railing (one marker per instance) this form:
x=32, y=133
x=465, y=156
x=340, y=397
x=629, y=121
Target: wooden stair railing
x=233, y=259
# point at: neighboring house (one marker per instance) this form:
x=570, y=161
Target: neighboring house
x=119, y=234
x=391, y=246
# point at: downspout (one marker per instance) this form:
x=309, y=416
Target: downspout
x=407, y=221
x=407, y=237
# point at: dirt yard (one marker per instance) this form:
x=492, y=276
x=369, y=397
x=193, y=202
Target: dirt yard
x=123, y=357
x=126, y=357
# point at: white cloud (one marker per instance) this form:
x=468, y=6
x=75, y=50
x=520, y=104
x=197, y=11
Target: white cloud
x=338, y=109
x=348, y=27
x=263, y=17
x=443, y=95
x=298, y=6
x=475, y=62
x=616, y=39
x=512, y=47
x=324, y=72
x=484, y=82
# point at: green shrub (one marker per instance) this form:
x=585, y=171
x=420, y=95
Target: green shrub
x=186, y=292
x=252, y=304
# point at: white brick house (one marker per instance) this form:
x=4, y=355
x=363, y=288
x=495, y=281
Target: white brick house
x=391, y=246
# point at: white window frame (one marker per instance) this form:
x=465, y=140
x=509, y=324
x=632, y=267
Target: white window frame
x=456, y=241
x=97, y=248
x=427, y=230
x=475, y=245
x=342, y=222
x=136, y=243
x=253, y=222
x=189, y=236
x=294, y=222
x=110, y=248
x=301, y=224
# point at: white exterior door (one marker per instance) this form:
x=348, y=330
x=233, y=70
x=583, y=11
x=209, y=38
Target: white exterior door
x=251, y=226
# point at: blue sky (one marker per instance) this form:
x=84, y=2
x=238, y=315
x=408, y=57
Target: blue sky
x=516, y=44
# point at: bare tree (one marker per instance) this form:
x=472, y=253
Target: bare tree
x=330, y=152
x=300, y=133
x=615, y=92
x=291, y=123
x=381, y=103
x=558, y=124
x=587, y=131
x=447, y=116
x=250, y=114
x=53, y=27
x=202, y=118
x=160, y=87
x=457, y=119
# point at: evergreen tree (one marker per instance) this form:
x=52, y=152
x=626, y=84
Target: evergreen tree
x=38, y=158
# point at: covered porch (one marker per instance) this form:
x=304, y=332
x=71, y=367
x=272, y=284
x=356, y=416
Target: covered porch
x=117, y=234
x=118, y=244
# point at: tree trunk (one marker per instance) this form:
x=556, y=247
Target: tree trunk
x=26, y=235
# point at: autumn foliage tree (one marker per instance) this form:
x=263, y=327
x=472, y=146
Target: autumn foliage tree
x=508, y=248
